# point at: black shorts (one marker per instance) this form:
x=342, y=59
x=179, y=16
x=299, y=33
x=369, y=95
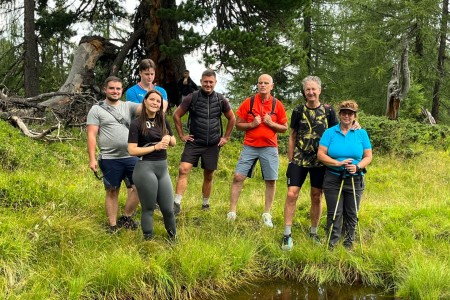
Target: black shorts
x=209, y=154
x=296, y=175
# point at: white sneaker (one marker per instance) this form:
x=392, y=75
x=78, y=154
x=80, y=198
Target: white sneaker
x=267, y=219
x=231, y=216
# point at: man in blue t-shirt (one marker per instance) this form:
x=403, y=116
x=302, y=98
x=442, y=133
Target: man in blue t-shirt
x=147, y=74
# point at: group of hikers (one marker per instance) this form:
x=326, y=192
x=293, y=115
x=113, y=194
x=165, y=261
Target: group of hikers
x=134, y=135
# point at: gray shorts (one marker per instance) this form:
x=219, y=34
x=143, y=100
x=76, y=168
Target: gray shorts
x=268, y=159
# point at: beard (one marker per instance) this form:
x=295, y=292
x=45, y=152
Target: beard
x=110, y=98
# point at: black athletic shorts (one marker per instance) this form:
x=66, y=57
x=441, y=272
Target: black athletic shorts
x=209, y=155
x=296, y=175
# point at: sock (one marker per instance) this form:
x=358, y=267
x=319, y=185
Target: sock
x=178, y=198
x=287, y=230
x=313, y=230
x=205, y=201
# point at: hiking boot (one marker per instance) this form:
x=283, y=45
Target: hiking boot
x=315, y=237
x=205, y=206
x=112, y=229
x=267, y=219
x=176, y=208
x=231, y=216
x=287, y=243
x=127, y=222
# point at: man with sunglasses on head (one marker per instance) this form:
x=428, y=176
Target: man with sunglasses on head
x=109, y=121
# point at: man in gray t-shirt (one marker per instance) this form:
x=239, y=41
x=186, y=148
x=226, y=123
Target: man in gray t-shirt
x=109, y=123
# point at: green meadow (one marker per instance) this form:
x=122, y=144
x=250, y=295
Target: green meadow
x=53, y=242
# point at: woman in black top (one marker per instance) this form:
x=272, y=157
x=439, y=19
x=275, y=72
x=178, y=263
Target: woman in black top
x=149, y=137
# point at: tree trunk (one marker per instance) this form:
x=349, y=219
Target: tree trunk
x=399, y=85
x=440, y=65
x=308, y=36
x=31, y=54
x=169, y=68
x=81, y=75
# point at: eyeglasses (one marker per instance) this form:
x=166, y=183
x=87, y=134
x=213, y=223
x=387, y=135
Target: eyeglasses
x=99, y=177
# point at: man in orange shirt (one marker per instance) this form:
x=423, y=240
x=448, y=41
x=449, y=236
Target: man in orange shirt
x=261, y=117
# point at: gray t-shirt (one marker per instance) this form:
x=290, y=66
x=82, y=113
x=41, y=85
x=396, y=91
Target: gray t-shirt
x=113, y=136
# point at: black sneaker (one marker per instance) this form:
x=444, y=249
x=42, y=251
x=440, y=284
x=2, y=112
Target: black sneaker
x=315, y=237
x=127, y=223
x=205, y=206
x=172, y=235
x=348, y=246
x=176, y=208
x=121, y=221
x=287, y=243
x=112, y=229
x=148, y=236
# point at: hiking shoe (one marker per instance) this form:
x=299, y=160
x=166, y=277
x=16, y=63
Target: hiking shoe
x=112, y=229
x=267, y=219
x=205, y=206
x=287, y=243
x=148, y=236
x=127, y=222
x=348, y=246
x=172, y=235
x=176, y=208
x=231, y=216
x=315, y=237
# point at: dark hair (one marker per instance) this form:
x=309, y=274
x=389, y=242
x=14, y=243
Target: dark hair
x=160, y=118
x=146, y=64
x=111, y=78
x=209, y=72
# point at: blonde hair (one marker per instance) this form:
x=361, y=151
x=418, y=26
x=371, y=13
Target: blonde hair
x=348, y=105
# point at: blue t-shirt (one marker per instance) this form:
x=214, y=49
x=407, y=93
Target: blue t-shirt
x=136, y=94
x=341, y=147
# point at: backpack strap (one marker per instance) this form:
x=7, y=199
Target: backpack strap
x=114, y=113
x=252, y=101
x=328, y=114
x=274, y=103
x=220, y=99
x=192, y=106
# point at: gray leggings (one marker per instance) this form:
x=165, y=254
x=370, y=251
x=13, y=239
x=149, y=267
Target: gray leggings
x=153, y=185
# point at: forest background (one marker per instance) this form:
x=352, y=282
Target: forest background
x=352, y=45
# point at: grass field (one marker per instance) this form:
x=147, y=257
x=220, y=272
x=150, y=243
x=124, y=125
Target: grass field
x=53, y=243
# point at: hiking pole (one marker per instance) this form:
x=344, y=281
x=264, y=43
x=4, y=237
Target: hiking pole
x=335, y=209
x=357, y=218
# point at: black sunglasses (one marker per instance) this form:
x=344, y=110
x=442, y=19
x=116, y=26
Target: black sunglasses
x=99, y=177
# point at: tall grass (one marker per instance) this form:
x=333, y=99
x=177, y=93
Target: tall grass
x=53, y=243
